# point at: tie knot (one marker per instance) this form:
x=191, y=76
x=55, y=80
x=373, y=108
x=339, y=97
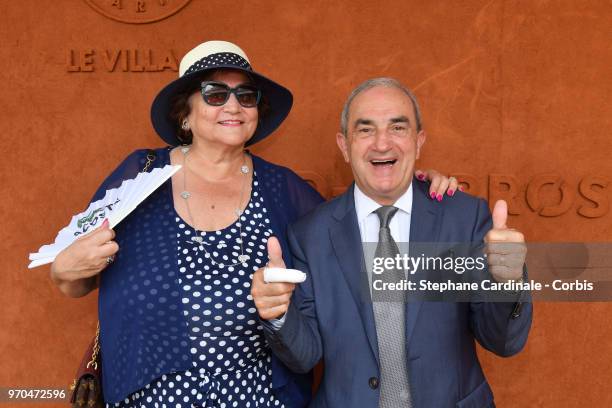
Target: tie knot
x=385, y=213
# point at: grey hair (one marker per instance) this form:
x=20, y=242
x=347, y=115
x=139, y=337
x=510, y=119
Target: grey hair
x=372, y=83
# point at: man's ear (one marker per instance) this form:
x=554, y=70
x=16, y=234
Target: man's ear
x=342, y=142
x=421, y=136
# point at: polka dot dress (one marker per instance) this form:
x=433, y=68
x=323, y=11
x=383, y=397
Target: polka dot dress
x=230, y=357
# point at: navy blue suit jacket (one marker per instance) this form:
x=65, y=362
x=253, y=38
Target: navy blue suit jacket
x=330, y=318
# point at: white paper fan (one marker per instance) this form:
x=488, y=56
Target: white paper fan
x=116, y=205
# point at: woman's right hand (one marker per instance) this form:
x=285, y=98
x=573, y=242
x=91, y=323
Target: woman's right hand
x=76, y=268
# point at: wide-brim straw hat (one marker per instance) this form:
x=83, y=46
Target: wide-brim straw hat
x=213, y=55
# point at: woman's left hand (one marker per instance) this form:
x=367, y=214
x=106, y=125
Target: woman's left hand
x=440, y=184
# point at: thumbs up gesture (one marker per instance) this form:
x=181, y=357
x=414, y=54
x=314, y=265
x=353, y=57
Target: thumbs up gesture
x=505, y=248
x=271, y=299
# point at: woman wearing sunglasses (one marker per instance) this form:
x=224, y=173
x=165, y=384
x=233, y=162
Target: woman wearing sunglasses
x=178, y=326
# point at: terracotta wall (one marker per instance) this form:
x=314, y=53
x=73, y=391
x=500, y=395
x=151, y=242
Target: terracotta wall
x=514, y=94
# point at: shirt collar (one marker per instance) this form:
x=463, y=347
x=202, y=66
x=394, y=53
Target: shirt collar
x=364, y=205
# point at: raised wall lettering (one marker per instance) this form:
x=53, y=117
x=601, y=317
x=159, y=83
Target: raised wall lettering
x=595, y=196
x=137, y=11
x=134, y=65
x=554, y=180
x=110, y=59
x=469, y=183
x=508, y=188
x=121, y=60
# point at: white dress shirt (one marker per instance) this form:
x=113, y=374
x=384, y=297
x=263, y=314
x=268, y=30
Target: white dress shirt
x=369, y=223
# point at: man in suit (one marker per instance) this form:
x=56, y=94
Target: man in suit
x=386, y=353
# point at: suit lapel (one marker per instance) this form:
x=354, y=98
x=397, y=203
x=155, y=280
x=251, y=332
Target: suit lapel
x=424, y=228
x=346, y=241
x=425, y=223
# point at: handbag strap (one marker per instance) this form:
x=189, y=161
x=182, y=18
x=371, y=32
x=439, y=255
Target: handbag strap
x=93, y=363
x=151, y=156
x=95, y=350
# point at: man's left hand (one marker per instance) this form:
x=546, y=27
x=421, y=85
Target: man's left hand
x=506, y=249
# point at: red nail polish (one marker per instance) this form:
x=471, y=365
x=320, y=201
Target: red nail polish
x=460, y=188
x=432, y=195
x=439, y=197
x=105, y=223
x=421, y=177
x=450, y=193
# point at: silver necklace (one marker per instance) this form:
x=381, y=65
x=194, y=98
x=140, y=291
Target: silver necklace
x=197, y=239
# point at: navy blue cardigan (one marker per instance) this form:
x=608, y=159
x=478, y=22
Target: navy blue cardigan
x=143, y=332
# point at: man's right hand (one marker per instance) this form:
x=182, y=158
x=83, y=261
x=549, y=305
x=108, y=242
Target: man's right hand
x=271, y=299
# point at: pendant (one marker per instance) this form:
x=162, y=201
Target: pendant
x=244, y=169
x=243, y=258
x=185, y=194
x=198, y=239
x=185, y=149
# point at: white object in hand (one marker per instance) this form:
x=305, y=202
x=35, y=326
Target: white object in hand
x=116, y=204
x=283, y=275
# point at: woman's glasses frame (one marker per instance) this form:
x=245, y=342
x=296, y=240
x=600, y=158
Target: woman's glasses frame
x=218, y=93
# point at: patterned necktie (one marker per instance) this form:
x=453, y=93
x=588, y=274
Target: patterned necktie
x=390, y=317
x=387, y=248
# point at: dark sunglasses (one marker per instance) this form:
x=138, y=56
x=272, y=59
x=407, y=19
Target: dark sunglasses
x=217, y=94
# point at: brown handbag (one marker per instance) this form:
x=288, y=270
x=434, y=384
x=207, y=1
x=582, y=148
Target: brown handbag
x=87, y=386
